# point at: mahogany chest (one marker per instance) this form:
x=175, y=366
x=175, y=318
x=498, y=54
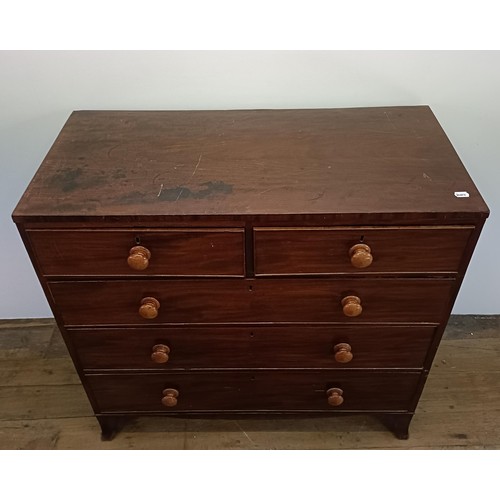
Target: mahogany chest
x=252, y=262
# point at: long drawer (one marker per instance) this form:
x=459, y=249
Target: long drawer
x=240, y=391
x=174, y=252
x=366, y=346
x=274, y=300
x=289, y=251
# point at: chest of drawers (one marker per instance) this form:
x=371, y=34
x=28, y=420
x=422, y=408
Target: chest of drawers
x=252, y=262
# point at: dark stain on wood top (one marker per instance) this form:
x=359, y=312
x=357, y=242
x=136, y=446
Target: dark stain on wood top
x=245, y=163
x=205, y=190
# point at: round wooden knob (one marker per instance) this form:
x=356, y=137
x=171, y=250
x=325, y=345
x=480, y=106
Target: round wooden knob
x=169, y=397
x=335, y=396
x=361, y=255
x=343, y=353
x=160, y=353
x=138, y=258
x=351, y=306
x=149, y=308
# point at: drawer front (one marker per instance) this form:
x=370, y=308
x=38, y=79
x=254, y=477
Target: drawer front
x=327, y=250
x=233, y=301
x=179, y=252
x=247, y=391
x=262, y=347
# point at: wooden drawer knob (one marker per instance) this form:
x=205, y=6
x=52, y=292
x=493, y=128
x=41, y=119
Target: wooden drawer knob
x=149, y=308
x=343, y=353
x=351, y=306
x=335, y=396
x=138, y=258
x=361, y=255
x=160, y=353
x=169, y=397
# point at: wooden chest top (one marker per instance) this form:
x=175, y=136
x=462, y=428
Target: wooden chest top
x=350, y=165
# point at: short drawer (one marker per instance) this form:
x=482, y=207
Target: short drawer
x=365, y=346
x=257, y=391
x=291, y=251
x=119, y=302
x=175, y=252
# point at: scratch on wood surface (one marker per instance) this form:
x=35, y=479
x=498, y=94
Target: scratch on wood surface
x=159, y=192
x=246, y=435
x=388, y=117
x=196, y=167
x=55, y=439
x=191, y=176
x=267, y=190
x=425, y=176
x=317, y=197
x=179, y=195
x=379, y=131
x=111, y=149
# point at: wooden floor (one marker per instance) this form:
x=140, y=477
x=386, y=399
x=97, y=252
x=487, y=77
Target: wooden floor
x=43, y=405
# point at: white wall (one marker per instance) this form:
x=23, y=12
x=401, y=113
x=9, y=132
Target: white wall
x=38, y=90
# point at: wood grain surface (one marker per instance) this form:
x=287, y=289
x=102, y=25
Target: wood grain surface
x=320, y=250
x=161, y=164
x=251, y=301
x=263, y=347
x=259, y=391
x=180, y=252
